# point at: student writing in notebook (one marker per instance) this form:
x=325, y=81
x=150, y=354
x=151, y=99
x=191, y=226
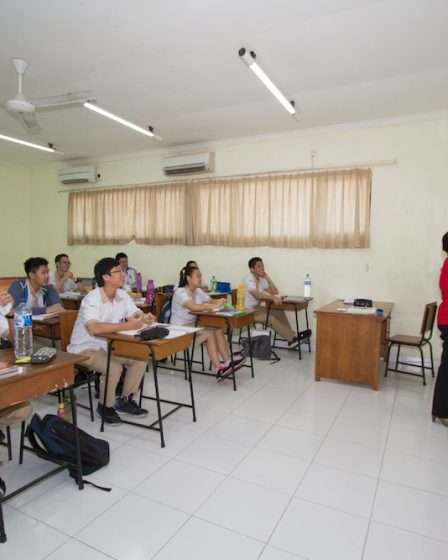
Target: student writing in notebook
x=189, y=297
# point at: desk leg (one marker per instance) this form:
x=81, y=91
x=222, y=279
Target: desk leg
x=249, y=338
x=77, y=444
x=53, y=336
x=106, y=382
x=2, y=526
x=308, y=328
x=159, y=409
x=187, y=363
x=298, y=332
x=268, y=312
x=229, y=337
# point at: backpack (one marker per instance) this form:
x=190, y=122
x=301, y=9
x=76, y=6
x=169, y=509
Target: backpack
x=261, y=346
x=165, y=312
x=57, y=442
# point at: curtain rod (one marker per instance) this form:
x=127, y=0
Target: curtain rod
x=379, y=163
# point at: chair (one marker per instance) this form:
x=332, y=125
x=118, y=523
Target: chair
x=11, y=416
x=424, y=339
x=84, y=376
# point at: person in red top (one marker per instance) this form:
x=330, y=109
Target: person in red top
x=440, y=399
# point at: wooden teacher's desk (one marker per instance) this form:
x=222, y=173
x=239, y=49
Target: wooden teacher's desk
x=351, y=342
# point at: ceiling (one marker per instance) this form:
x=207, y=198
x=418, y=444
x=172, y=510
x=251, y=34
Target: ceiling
x=174, y=64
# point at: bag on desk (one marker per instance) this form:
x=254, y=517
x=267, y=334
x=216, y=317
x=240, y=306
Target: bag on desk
x=57, y=441
x=153, y=333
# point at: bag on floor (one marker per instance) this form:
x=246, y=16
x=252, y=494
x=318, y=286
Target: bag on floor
x=57, y=441
x=261, y=346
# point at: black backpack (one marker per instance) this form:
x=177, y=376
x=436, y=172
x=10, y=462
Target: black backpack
x=57, y=442
x=261, y=347
x=165, y=311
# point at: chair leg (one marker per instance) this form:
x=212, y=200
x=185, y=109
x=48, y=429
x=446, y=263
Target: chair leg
x=22, y=442
x=8, y=442
x=142, y=385
x=423, y=365
x=202, y=358
x=398, y=356
x=432, y=359
x=89, y=389
x=387, y=359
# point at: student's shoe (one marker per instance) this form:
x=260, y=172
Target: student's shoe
x=222, y=371
x=238, y=360
x=110, y=416
x=127, y=405
x=293, y=344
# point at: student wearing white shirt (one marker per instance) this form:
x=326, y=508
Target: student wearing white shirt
x=109, y=309
x=63, y=278
x=130, y=274
x=261, y=289
x=190, y=297
x=6, y=302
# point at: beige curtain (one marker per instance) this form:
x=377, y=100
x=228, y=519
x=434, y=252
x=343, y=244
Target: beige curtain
x=320, y=209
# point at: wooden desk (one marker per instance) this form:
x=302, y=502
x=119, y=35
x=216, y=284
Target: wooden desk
x=48, y=328
x=301, y=304
x=71, y=303
x=36, y=381
x=350, y=346
x=152, y=351
x=228, y=323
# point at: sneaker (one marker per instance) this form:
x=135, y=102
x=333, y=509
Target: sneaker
x=222, y=371
x=129, y=406
x=109, y=414
x=294, y=343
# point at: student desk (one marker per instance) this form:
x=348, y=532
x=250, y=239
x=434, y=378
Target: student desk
x=47, y=328
x=296, y=304
x=228, y=322
x=350, y=346
x=36, y=381
x=152, y=351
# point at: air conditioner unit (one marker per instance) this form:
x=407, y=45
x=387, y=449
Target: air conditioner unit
x=187, y=164
x=76, y=175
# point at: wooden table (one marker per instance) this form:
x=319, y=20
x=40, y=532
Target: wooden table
x=34, y=382
x=71, y=302
x=48, y=328
x=217, y=320
x=350, y=345
x=296, y=305
x=152, y=351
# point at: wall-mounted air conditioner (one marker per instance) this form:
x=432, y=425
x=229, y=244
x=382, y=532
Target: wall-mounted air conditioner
x=76, y=175
x=188, y=164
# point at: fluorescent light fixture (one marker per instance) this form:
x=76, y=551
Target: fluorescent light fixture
x=146, y=131
x=249, y=58
x=48, y=148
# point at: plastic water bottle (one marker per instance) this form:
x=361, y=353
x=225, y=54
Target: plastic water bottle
x=213, y=284
x=240, y=296
x=138, y=282
x=150, y=292
x=23, y=336
x=307, y=286
x=61, y=409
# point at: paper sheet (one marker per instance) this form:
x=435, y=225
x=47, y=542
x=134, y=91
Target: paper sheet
x=44, y=316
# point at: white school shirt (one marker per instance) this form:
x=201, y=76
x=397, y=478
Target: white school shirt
x=4, y=327
x=180, y=315
x=96, y=306
x=251, y=283
x=68, y=286
x=130, y=279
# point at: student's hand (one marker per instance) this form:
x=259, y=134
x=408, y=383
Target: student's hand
x=149, y=318
x=69, y=275
x=219, y=302
x=277, y=299
x=134, y=323
x=5, y=298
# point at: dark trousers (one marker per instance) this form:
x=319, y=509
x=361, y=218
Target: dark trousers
x=440, y=399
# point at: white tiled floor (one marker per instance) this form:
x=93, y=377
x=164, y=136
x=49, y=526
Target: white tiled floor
x=283, y=469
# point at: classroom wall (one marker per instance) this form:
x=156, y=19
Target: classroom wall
x=409, y=215
x=15, y=209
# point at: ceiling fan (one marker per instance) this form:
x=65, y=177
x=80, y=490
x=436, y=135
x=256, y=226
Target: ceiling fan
x=25, y=109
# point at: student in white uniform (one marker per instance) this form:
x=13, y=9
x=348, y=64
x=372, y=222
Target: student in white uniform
x=63, y=278
x=190, y=297
x=130, y=274
x=261, y=289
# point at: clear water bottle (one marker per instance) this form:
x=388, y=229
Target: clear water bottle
x=23, y=335
x=307, y=286
x=213, y=284
x=150, y=292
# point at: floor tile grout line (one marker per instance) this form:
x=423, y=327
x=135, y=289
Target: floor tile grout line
x=304, y=475
x=369, y=524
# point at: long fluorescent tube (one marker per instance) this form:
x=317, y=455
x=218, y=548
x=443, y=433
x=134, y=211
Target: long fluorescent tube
x=25, y=143
x=116, y=118
x=249, y=59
